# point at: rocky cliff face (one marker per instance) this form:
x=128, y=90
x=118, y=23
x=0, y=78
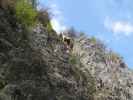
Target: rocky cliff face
x=34, y=66
x=114, y=80
x=31, y=68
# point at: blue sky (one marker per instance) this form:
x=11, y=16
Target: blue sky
x=109, y=20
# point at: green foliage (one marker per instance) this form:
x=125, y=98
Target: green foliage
x=73, y=59
x=93, y=40
x=34, y=3
x=49, y=27
x=25, y=13
x=113, y=56
x=2, y=83
x=79, y=74
x=43, y=17
x=82, y=34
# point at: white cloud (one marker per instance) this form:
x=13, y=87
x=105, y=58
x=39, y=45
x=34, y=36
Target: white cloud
x=57, y=25
x=57, y=19
x=119, y=27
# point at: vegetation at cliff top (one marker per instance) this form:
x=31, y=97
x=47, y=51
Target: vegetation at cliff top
x=25, y=13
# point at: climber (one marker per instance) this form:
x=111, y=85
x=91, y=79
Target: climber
x=68, y=44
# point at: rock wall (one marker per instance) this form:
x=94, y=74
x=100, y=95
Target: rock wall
x=31, y=69
x=114, y=79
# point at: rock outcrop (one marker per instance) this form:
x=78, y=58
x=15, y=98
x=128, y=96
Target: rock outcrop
x=114, y=80
x=31, y=69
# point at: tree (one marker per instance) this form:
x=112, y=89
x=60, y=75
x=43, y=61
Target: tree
x=34, y=3
x=25, y=13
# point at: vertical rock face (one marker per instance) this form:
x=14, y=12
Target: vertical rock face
x=31, y=69
x=114, y=79
x=34, y=66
